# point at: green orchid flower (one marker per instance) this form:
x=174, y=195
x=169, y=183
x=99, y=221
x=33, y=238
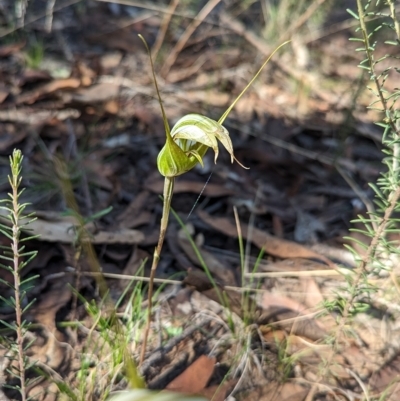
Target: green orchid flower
x=188, y=142
x=185, y=146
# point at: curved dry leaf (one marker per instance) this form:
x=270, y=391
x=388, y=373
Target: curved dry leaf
x=216, y=267
x=274, y=246
x=181, y=186
x=387, y=379
x=289, y=391
x=63, y=229
x=194, y=378
x=291, y=316
x=48, y=88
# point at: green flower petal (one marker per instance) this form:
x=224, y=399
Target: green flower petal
x=201, y=129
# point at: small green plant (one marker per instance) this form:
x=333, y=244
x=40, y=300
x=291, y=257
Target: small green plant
x=287, y=18
x=34, y=55
x=106, y=360
x=15, y=260
x=381, y=254
x=186, y=145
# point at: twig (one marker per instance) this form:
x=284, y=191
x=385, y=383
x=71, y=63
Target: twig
x=38, y=17
x=156, y=8
x=160, y=280
x=291, y=147
x=301, y=20
x=359, y=192
x=304, y=273
x=232, y=24
x=49, y=15
x=186, y=35
x=21, y=7
x=164, y=26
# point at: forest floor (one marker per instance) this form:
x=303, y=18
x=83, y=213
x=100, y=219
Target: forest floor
x=77, y=97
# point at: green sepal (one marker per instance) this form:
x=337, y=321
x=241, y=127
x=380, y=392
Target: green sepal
x=172, y=160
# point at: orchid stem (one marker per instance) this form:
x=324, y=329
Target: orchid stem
x=168, y=191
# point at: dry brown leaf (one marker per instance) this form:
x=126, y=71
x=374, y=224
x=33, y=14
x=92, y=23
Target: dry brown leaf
x=6, y=50
x=121, y=39
x=195, y=377
x=274, y=246
x=215, y=266
x=212, y=190
x=134, y=263
x=144, y=218
x=313, y=297
x=394, y=392
x=273, y=335
x=9, y=138
x=32, y=76
x=306, y=351
x=49, y=347
x=112, y=107
x=269, y=299
x=101, y=92
x=50, y=302
x=359, y=359
x=290, y=315
x=87, y=75
x=45, y=89
x=4, y=92
x=133, y=215
x=291, y=265
x=62, y=229
x=210, y=97
x=312, y=292
x=277, y=226
x=44, y=392
x=233, y=300
x=27, y=115
x=110, y=60
x=218, y=392
x=387, y=379
x=312, y=355
x=289, y=391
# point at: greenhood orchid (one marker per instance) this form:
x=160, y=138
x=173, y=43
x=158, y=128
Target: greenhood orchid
x=185, y=146
x=188, y=142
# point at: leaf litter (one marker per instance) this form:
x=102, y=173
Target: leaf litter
x=293, y=193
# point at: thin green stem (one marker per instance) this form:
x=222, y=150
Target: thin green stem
x=396, y=23
x=16, y=231
x=168, y=192
x=372, y=64
x=164, y=116
x=229, y=109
